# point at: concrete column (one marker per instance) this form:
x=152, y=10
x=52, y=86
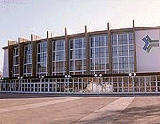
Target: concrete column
x=21, y=42
x=87, y=52
x=135, y=56
x=49, y=56
x=67, y=52
x=34, y=56
x=10, y=60
x=21, y=58
x=109, y=49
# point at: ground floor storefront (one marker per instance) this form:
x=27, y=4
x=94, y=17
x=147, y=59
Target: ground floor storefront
x=108, y=85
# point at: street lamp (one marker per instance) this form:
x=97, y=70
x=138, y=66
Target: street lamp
x=1, y=83
x=20, y=83
x=67, y=78
x=132, y=75
x=95, y=75
x=100, y=75
x=41, y=77
x=99, y=79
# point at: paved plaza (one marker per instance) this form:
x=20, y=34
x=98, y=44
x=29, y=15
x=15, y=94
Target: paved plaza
x=77, y=110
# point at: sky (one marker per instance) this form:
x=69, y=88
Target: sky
x=21, y=18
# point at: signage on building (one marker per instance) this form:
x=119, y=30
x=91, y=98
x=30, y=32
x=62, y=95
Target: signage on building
x=149, y=43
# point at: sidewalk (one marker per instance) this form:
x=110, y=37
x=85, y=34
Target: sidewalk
x=67, y=110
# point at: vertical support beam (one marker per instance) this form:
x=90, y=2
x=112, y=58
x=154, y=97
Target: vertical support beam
x=49, y=56
x=21, y=54
x=122, y=85
x=156, y=84
x=10, y=60
x=67, y=52
x=145, y=86
x=87, y=44
x=48, y=84
x=34, y=87
x=21, y=58
x=109, y=49
x=34, y=56
x=41, y=85
x=139, y=84
x=135, y=56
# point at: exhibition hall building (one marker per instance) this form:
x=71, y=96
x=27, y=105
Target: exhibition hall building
x=123, y=61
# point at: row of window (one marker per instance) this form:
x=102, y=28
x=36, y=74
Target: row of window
x=122, y=52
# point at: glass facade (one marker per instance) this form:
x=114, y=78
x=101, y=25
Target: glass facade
x=77, y=56
x=27, y=60
x=15, y=62
x=99, y=54
x=123, y=53
x=42, y=59
x=58, y=57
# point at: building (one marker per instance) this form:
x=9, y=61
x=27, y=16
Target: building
x=110, y=61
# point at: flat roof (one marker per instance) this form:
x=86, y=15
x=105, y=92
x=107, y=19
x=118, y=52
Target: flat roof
x=93, y=33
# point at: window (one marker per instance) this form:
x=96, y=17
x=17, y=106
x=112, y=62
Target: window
x=42, y=58
x=27, y=60
x=123, y=53
x=77, y=56
x=16, y=62
x=58, y=60
x=99, y=54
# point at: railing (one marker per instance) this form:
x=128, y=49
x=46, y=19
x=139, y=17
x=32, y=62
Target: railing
x=108, y=85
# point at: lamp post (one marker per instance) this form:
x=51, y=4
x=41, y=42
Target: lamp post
x=98, y=76
x=1, y=83
x=132, y=75
x=20, y=83
x=41, y=78
x=67, y=78
x=99, y=79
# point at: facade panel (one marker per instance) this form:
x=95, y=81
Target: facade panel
x=148, y=58
x=5, y=64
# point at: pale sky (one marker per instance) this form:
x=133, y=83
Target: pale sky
x=21, y=18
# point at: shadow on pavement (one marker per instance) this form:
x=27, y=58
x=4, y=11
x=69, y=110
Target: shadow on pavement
x=147, y=114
